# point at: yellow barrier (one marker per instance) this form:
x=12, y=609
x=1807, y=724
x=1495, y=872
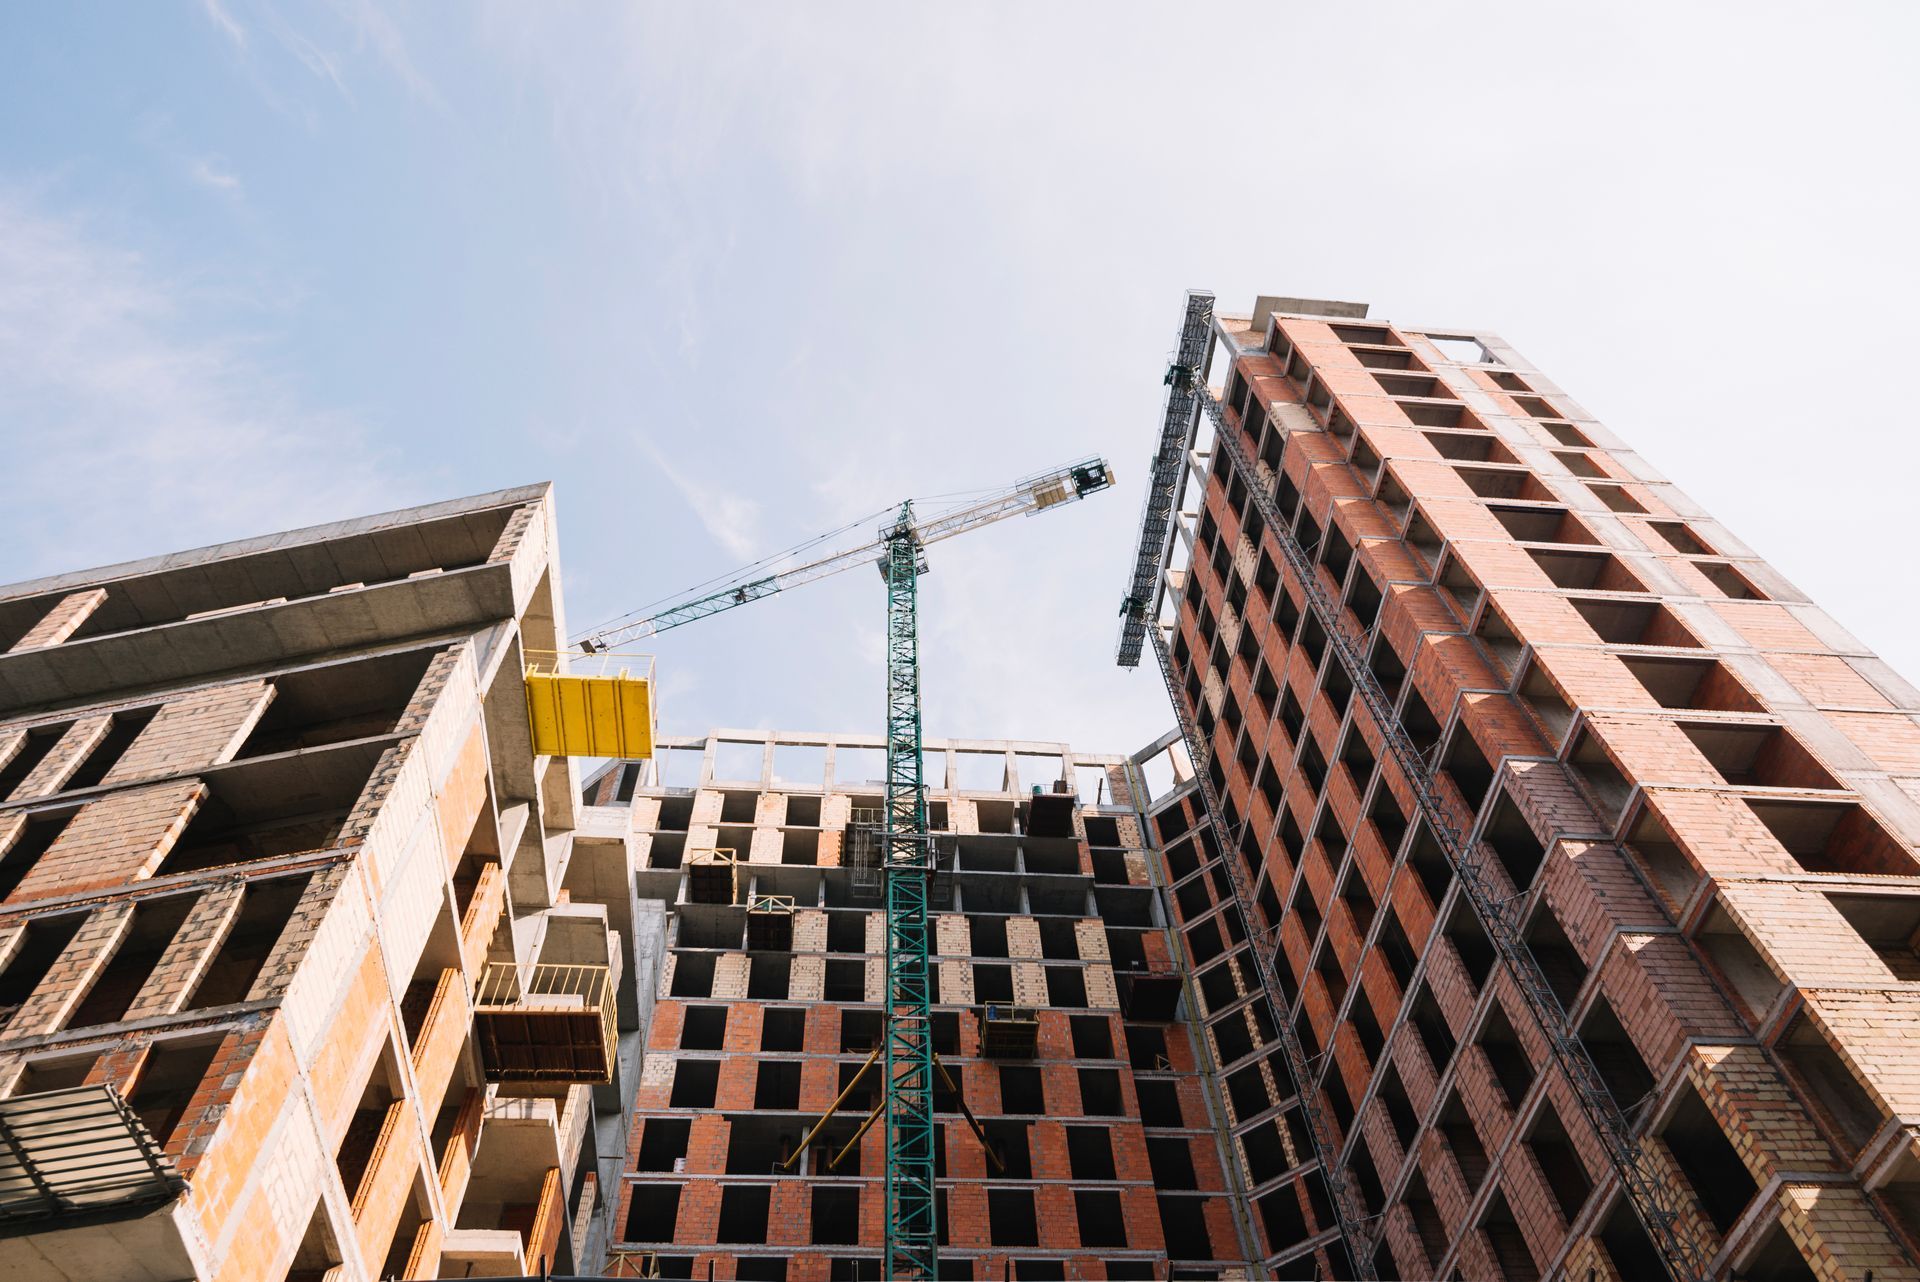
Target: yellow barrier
x=607, y=713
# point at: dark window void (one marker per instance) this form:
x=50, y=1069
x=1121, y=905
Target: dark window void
x=1159, y=1103
x=1666, y=867
x=1392, y=1095
x=33, y=840
x=859, y=1031
x=55, y=1074
x=663, y=1141
x=1090, y=1153
x=1720, y=1179
x=39, y=742
x=1469, y=769
x=1765, y=756
x=1470, y=943
x=782, y=1027
x=1621, y=1065
x=1626, y=622
x=1628, y=1246
x=1283, y=1218
x=1021, y=1090
x=1010, y=1218
x=694, y=1083
x=1738, y=961
x=993, y=984
x=1101, y=1219
x=46, y=938
x=123, y=728
x=1184, y=1222
x=1513, y=842
x=1676, y=682
x=743, y=1213
x=155, y=922
x=652, y=1213
x=1890, y=924
x=1100, y=1094
x=1463, y=1141
x=1429, y=864
x=1266, y=1154
x=1012, y=1143
x=1506, y=1056
x=835, y=1215
x=168, y=1080
x=1606, y=786
x=1834, y=837
x=703, y=1028
x=1555, y=955
x=777, y=1085
x=1777, y=1260
x=1147, y=1048
x=1508, y=1244
x=1171, y=1159
x=337, y=702
x=1432, y=1229
x=1431, y=1025
x=1839, y=1098
x=1559, y=1162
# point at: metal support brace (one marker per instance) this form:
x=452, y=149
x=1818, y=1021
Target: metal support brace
x=1654, y=1201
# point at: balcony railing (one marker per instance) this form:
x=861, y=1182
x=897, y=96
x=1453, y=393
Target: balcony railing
x=69, y=1152
x=546, y=1022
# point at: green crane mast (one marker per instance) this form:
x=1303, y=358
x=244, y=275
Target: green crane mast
x=905, y=852
x=907, y=864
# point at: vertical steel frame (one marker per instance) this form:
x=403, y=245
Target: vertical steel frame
x=906, y=863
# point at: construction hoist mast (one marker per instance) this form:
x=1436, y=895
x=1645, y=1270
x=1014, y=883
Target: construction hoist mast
x=904, y=848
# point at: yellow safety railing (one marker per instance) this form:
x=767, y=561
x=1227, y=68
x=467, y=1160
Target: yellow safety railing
x=590, y=705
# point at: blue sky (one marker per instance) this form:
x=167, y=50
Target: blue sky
x=731, y=275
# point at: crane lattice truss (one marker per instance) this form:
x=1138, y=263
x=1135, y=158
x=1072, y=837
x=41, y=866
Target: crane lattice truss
x=1026, y=497
x=905, y=852
x=907, y=864
x=1655, y=1202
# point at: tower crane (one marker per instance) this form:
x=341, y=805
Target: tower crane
x=904, y=849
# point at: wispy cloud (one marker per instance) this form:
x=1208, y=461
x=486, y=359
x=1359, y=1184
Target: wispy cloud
x=132, y=423
x=223, y=21
x=315, y=59
x=205, y=170
x=375, y=29
x=732, y=519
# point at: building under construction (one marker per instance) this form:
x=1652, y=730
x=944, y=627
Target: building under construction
x=1549, y=884
x=1079, y=1123
x=312, y=968
x=1527, y=889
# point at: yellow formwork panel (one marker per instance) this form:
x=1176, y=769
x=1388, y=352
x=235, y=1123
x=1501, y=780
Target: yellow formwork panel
x=590, y=716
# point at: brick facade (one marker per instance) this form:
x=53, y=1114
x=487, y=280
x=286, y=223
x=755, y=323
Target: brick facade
x=1690, y=793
